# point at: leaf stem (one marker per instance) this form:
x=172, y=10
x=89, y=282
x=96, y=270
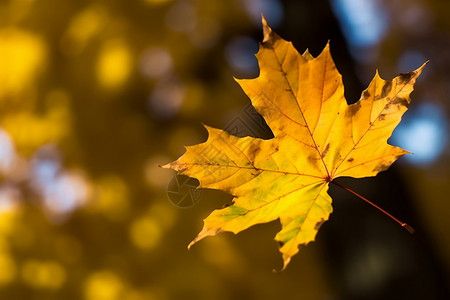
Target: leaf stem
x=403, y=224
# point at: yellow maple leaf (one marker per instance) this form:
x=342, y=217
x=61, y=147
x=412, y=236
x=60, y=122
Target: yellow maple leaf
x=317, y=138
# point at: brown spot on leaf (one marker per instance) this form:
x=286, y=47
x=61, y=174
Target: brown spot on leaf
x=386, y=89
x=404, y=78
x=366, y=94
x=354, y=108
x=381, y=167
x=401, y=101
x=254, y=149
x=382, y=117
x=324, y=152
x=313, y=159
x=318, y=224
x=350, y=159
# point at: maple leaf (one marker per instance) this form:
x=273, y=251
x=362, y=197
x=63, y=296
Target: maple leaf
x=317, y=138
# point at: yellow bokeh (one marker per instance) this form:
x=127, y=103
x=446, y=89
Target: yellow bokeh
x=145, y=233
x=31, y=131
x=104, y=285
x=43, y=274
x=114, y=64
x=163, y=213
x=110, y=197
x=83, y=27
x=22, y=56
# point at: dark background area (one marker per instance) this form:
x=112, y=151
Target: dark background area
x=95, y=94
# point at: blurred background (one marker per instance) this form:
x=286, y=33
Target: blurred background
x=95, y=94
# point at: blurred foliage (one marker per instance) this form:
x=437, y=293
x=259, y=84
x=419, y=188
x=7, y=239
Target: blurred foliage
x=95, y=94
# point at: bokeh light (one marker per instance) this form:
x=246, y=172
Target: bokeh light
x=411, y=60
x=62, y=191
x=9, y=198
x=240, y=55
x=167, y=98
x=7, y=152
x=145, y=233
x=104, y=285
x=364, y=23
x=114, y=64
x=43, y=274
x=424, y=132
x=271, y=9
x=83, y=27
x=156, y=62
x=22, y=58
x=110, y=198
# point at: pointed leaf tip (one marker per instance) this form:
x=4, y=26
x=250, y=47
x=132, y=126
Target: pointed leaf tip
x=326, y=49
x=267, y=31
x=197, y=238
x=190, y=244
x=307, y=55
x=286, y=261
x=204, y=233
x=166, y=166
x=420, y=69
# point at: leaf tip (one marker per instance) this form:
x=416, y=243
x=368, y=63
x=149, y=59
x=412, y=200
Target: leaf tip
x=197, y=238
x=191, y=243
x=307, y=55
x=326, y=51
x=166, y=166
x=177, y=165
x=267, y=31
x=420, y=69
x=286, y=261
x=204, y=233
x=208, y=128
x=377, y=75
